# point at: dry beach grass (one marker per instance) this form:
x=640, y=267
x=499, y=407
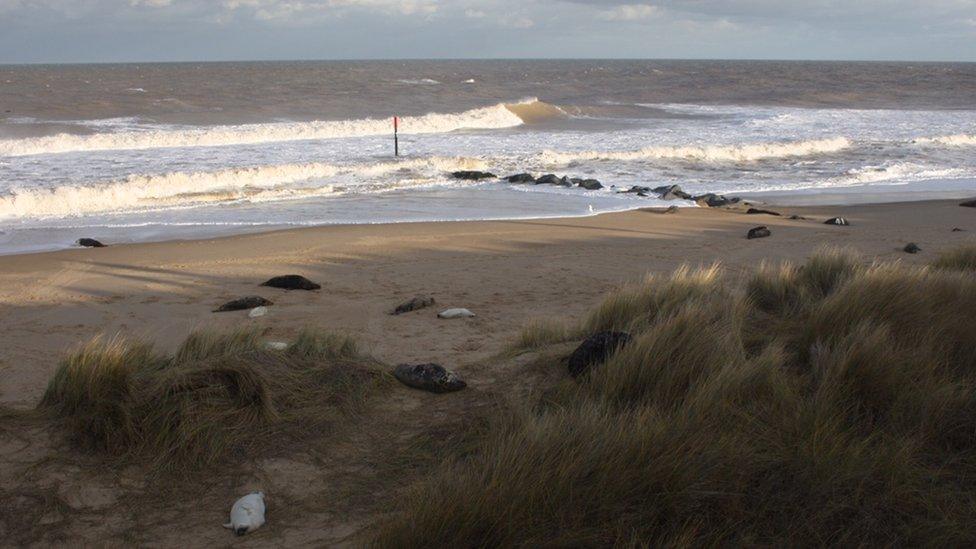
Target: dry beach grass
x=829, y=403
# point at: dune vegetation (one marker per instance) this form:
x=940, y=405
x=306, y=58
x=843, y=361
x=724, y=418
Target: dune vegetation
x=829, y=403
x=217, y=397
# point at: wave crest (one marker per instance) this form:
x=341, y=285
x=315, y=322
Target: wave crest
x=958, y=140
x=498, y=116
x=185, y=189
x=707, y=153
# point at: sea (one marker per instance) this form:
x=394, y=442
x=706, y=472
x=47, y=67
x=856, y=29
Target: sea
x=162, y=151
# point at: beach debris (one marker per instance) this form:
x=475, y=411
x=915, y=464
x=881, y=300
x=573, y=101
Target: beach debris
x=247, y=514
x=257, y=312
x=292, y=282
x=837, y=221
x=243, y=303
x=759, y=232
x=520, y=178
x=429, y=377
x=590, y=184
x=755, y=211
x=414, y=304
x=671, y=192
x=911, y=248
x=473, y=175
x=595, y=350
x=276, y=345
x=90, y=243
x=455, y=313
x=548, y=179
x=968, y=204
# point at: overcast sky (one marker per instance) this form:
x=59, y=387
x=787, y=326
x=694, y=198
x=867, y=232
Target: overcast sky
x=173, y=30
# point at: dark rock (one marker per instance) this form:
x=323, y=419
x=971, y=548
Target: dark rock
x=671, y=192
x=292, y=282
x=595, y=350
x=759, y=232
x=957, y=230
x=797, y=217
x=638, y=189
x=713, y=200
x=475, y=175
x=911, y=248
x=429, y=377
x=758, y=211
x=575, y=180
x=548, y=179
x=837, y=221
x=590, y=184
x=90, y=243
x=243, y=303
x=968, y=204
x=417, y=303
x=520, y=178
x=566, y=182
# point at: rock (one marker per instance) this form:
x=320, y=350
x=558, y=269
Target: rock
x=90, y=243
x=243, y=303
x=911, y=248
x=548, y=179
x=671, y=210
x=797, y=217
x=837, y=221
x=957, y=230
x=595, y=350
x=755, y=211
x=590, y=184
x=968, y=204
x=566, y=182
x=247, y=514
x=759, y=232
x=713, y=200
x=257, y=312
x=429, y=377
x=473, y=175
x=520, y=178
x=292, y=282
x=638, y=189
x=455, y=313
x=671, y=192
x=415, y=304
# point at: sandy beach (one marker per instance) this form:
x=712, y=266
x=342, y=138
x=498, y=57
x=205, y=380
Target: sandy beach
x=507, y=272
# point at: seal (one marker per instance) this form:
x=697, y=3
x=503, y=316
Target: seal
x=247, y=514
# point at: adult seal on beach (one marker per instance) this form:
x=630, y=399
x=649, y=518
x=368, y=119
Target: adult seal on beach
x=595, y=350
x=90, y=243
x=243, y=303
x=429, y=377
x=291, y=282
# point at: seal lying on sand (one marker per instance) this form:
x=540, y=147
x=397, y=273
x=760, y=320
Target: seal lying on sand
x=247, y=514
x=429, y=377
x=455, y=313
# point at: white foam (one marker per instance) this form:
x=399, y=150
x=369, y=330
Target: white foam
x=958, y=140
x=707, y=153
x=493, y=117
x=183, y=189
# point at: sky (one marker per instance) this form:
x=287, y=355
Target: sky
x=67, y=31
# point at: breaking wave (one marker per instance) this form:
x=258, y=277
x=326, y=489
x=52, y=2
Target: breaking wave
x=502, y=115
x=959, y=140
x=707, y=153
x=185, y=189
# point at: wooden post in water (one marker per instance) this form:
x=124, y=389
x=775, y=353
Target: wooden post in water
x=396, y=140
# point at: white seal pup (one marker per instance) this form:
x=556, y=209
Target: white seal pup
x=247, y=514
x=455, y=313
x=258, y=311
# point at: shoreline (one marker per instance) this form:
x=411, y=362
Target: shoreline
x=507, y=271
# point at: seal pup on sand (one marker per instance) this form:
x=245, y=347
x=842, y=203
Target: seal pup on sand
x=455, y=313
x=247, y=514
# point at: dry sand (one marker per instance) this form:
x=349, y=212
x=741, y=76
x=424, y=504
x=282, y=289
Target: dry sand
x=507, y=272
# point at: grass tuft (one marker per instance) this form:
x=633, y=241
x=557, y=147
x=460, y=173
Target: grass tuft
x=218, y=396
x=542, y=332
x=832, y=403
x=962, y=258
